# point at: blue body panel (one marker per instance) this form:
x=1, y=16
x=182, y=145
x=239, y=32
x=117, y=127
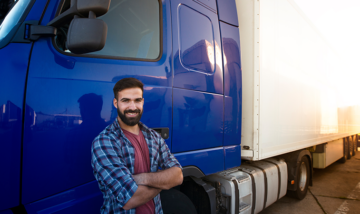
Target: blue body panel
x=36, y=10
x=227, y=11
x=83, y=199
x=208, y=160
x=197, y=120
x=14, y=62
x=232, y=82
x=191, y=27
x=194, y=46
x=198, y=85
x=6, y=212
x=210, y=4
x=232, y=156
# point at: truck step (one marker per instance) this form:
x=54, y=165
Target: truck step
x=243, y=207
x=243, y=178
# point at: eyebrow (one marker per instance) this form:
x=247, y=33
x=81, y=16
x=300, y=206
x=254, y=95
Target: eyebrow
x=124, y=99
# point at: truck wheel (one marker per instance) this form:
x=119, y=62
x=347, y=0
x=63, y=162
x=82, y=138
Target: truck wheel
x=350, y=147
x=354, y=143
x=175, y=202
x=344, y=158
x=303, y=177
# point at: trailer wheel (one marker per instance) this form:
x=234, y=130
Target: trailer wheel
x=354, y=143
x=175, y=202
x=350, y=148
x=344, y=158
x=302, y=181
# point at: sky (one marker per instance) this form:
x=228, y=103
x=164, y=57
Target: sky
x=339, y=22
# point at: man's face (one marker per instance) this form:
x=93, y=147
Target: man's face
x=129, y=105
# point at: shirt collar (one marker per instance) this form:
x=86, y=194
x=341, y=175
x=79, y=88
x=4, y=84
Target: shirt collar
x=118, y=129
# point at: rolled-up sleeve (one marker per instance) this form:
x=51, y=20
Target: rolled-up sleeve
x=111, y=171
x=167, y=160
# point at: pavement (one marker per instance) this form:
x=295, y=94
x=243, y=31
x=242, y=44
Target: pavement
x=335, y=190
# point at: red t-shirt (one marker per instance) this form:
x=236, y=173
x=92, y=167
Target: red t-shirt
x=142, y=165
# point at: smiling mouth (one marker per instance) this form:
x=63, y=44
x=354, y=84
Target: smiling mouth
x=131, y=114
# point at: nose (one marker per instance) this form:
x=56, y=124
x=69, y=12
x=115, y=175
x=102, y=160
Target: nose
x=132, y=105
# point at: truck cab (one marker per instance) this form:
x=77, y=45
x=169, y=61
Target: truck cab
x=54, y=101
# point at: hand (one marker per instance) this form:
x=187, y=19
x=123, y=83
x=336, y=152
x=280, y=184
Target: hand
x=139, y=178
x=163, y=179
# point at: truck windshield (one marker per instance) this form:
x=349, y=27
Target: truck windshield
x=11, y=12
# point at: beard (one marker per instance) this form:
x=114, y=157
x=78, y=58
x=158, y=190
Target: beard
x=130, y=121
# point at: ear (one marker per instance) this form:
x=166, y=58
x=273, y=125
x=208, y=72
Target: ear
x=115, y=102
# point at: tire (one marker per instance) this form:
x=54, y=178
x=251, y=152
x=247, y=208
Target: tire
x=354, y=143
x=350, y=148
x=175, y=202
x=302, y=179
x=344, y=158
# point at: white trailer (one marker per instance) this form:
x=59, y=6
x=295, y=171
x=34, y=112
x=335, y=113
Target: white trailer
x=290, y=96
x=292, y=115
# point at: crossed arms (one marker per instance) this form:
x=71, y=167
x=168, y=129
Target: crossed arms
x=151, y=184
x=116, y=180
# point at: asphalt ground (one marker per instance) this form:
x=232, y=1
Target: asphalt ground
x=335, y=190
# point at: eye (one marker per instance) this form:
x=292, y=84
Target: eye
x=125, y=101
x=138, y=100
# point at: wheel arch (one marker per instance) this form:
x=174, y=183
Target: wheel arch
x=293, y=160
x=192, y=171
x=201, y=193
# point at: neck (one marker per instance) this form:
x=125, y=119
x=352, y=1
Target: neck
x=133, y=129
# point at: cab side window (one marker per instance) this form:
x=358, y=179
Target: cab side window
x=11, y=13
x=133, y=30
x=5, y=7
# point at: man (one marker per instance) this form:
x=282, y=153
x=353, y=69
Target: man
x=126, y=157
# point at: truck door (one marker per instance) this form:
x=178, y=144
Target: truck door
x=198, y=82
x=14, y=58
x=198, y=78
x=71, y=97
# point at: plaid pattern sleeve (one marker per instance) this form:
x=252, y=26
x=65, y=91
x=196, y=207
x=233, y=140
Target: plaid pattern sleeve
x=114, y=177
x=167, y=159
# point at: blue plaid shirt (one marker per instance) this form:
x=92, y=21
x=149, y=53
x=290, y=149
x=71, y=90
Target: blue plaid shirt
x=113, y=159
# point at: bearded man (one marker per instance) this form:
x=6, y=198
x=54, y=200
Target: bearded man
x=126, y=157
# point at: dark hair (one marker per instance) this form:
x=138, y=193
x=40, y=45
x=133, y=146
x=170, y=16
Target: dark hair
x=127, y=83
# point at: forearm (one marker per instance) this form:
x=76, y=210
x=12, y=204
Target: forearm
x=164, y=179
x=142, y=195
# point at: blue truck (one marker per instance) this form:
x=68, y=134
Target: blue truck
x=59, y=60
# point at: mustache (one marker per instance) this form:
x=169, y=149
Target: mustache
x=132, y=111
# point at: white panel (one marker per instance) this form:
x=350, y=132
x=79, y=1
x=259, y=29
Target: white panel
x=249, y=127
x=290, y=94
x=247, y=154
x=334, y=151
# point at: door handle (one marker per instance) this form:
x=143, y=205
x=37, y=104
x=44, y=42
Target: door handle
x=164, y=132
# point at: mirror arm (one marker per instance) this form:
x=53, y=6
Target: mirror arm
x=37, y=31
x=66, y=16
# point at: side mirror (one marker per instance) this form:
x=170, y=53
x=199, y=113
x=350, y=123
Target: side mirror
x=86, y=35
